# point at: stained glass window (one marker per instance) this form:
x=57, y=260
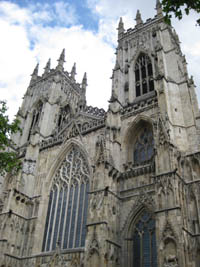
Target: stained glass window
x=143, y=75
x=144, y=146
x=144, y=242
x=68, y=201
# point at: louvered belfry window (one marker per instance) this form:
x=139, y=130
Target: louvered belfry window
x=143, y=146
x=68, y=201
x=143, y=75
x=144, y=242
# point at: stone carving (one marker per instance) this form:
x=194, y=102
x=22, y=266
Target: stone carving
x=96, y=200
x=162, y=133
x=93, y=247
x=168, y=232
x=100, y=156
x=29, y=166
x=169, y=246
x=94, y=111
x=79, y=127
x=164, y=183
x=138, y=107
x=170, y=261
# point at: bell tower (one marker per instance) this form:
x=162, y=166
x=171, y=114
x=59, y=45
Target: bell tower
x=51, y=101
x=149, y=62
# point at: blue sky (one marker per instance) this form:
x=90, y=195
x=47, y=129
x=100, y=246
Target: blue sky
x=82, y=13
x=32, y=31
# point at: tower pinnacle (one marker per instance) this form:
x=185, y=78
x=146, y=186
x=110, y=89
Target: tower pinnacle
x=73, y=71
x=35, y=71
x=84, y=81
x=158, y=8
x=34, y=75
x=61, y=61
x=138, y=18
x=120, y=28
x=47, y=68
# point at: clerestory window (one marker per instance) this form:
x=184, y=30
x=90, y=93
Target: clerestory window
x=68, y=201
x=143, y=75
x=143, y=146
x=144, y=241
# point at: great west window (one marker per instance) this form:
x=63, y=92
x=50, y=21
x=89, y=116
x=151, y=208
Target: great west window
x=68, y=201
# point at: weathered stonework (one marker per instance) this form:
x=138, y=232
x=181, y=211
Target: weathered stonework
x=92, y=179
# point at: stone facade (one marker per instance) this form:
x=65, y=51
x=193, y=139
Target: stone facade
x=115, y=188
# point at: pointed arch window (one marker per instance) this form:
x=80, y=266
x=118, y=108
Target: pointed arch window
x=143, y=75
x=68, y=202
x=143, y=146
x=144, y=241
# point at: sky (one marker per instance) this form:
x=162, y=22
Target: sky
x=32, y=31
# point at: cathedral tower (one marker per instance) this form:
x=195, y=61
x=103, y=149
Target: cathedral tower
x=108, y=189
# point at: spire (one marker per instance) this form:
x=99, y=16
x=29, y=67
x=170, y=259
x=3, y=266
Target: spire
x=73, y=71
x=34, y=75
x=120, y=28
x=158, y=8
x=61, y=61
x=84, y=81
x=138, y=18
x=47, y=68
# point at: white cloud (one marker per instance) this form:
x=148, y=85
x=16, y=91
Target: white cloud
x=28, y=40
x=18, y=57
x=65, y=13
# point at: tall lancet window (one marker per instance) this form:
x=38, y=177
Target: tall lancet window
x=68, y=201
x=143, y=75
x=144, y=242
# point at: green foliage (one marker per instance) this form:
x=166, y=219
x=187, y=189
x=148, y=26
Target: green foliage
x=177, y=7
x=9, y=161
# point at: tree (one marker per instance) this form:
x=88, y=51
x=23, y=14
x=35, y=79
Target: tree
x=178, y=7
x=9, y=161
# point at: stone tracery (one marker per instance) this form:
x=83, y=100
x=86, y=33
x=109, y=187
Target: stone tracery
x=68, y=200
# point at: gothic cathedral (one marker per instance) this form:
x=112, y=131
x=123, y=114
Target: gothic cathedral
x=108, y=189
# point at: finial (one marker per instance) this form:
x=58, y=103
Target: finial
x=84, y=81
x=159, y=8
x=35, y=72
x=138, y=18
x=47, y=68
x=34, y=75
x=73, y=71
x=117, y=66
x=176, y=36
x=61, y=60
x=120, y=28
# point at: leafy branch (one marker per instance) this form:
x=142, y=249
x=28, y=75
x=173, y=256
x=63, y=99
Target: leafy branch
x=9, y=161
x=178, y=7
